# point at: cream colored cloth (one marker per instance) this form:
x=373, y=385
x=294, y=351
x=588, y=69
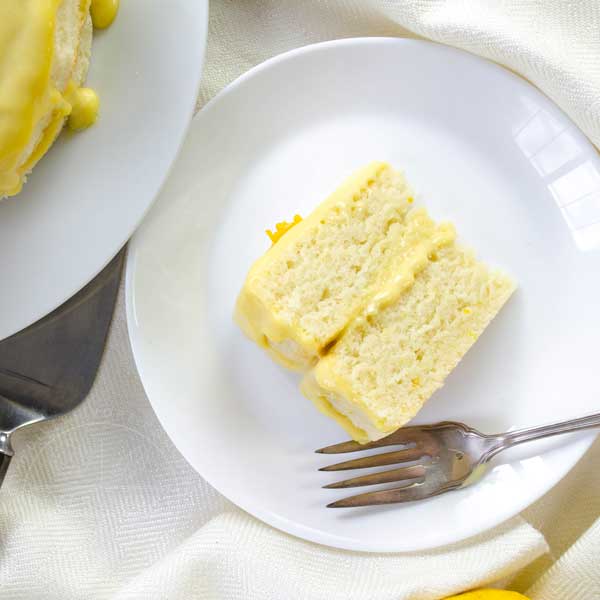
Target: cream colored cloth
x=99, y=504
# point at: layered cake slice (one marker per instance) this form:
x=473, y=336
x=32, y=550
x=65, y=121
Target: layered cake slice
x=372, y=299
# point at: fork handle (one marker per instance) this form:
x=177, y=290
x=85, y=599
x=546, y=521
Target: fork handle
x=512, y=438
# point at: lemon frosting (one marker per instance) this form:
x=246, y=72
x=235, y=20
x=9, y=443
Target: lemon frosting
x=104, y=12
x=26, y=49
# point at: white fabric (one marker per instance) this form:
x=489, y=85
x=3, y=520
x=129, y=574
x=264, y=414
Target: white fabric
x=99, y=504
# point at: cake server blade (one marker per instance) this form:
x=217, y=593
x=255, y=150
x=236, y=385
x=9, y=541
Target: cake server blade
x=47, y=369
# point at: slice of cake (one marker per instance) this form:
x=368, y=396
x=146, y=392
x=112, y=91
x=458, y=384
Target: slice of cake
x=394, y=356
x=322, y=272
x=372, y=299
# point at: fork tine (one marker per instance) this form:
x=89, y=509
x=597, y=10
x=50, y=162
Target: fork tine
x=401, y=437
x=350, y=446
x=378, y=460
x=402, y=474
x=408, y=493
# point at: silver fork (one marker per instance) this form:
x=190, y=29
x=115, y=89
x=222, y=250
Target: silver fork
x=445, y=456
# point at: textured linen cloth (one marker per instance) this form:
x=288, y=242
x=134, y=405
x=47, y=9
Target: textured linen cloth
x=99, y=504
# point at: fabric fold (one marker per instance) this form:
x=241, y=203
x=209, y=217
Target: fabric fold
x=236, y=557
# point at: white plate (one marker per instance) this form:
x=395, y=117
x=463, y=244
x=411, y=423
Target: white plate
x=482, y=148
x=89, y=193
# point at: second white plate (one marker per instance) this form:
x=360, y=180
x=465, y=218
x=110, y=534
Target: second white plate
x=483, y=149
x=88, y=194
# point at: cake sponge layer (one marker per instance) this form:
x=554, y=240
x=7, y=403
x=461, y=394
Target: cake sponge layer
x=391, y=359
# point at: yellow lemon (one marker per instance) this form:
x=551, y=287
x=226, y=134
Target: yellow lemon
x=489, y=595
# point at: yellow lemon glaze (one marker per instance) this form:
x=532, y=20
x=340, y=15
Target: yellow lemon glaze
x=333, y=406
x=103, y=12
x=61, y=110
x=489, y=595
x=26, y=49
x=282, y=228
x=84, y=108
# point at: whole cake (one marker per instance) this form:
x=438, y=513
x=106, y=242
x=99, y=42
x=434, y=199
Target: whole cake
x=45, y=50
x=372, y=299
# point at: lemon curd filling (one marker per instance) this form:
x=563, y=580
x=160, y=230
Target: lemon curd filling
x=103, y=12
x=84, y=108
x=282, y=228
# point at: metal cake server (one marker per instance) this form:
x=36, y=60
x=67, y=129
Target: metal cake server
x=48, y=369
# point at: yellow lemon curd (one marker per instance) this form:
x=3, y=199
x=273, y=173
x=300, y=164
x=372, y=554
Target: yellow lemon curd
x=103, y=12
x=282, y=228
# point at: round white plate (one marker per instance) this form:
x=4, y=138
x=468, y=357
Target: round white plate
x=88, y=194
x=482, y=148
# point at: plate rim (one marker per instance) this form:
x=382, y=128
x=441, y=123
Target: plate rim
x=203, y=6
x=281, y=523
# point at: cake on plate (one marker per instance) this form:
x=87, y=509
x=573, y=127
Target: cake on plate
x=371, y=299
